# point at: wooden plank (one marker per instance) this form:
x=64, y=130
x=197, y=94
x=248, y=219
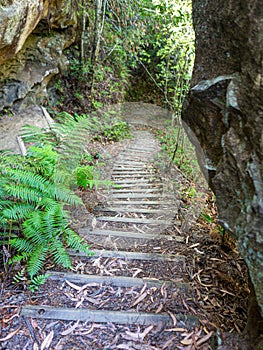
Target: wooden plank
x=136, y=175
x=130, y=162
x=131, y=255
x=150, y=189
x=134, y=220
x=116, y=281
x=133, y=210
x=136, y=195
x=130, y=235
x=132, y=172
x=131, y=181
x=135, y=184
x=96, y=316
x=115, y=202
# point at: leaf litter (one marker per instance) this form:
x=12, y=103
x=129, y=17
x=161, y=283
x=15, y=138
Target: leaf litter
x=218, y=296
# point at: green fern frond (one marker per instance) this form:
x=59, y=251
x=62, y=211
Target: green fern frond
x=26, y=194
x=36, y=260
x=35, y=134
x=59, y=253
x=67, y=196
x=36, y=281
x=19, y=276
x=22, y=245
x=20, y=257
x=18, y=211
x=28, y=178
x=75, y=242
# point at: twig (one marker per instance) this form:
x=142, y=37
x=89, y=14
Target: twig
x=31, y=330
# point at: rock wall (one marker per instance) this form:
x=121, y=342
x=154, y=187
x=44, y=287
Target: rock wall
x=225, y=111
x=33, y=35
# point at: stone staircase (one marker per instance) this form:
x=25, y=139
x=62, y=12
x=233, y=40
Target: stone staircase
x=135, y=215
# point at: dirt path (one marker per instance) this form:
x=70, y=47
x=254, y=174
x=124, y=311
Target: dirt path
x=135, y=292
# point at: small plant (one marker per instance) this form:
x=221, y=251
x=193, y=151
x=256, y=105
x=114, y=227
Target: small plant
x=87, y=176
x=33, y=221
x=37, y=281
x=117, y=131
x=206, y=217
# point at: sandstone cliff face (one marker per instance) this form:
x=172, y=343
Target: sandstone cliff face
x=225, y=111
x=33, y=35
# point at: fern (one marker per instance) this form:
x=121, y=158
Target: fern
x=36, y=281
x=34, y=190
x=36, y=260
x=75, y=242
x=59, y=253
x=31, y=208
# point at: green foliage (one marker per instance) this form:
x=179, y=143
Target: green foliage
x=87, y=176
x=207, y=217
x=32, y=209
x=117, y=131
x=35, y=189
x=36, y=281
x=165, y=47
x=181, y=153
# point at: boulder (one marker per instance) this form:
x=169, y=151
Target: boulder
x=34, y=35
x=224, y=110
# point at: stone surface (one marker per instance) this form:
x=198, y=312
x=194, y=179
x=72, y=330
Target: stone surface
x=34, y=35
x=10, y=126
x=224, y=110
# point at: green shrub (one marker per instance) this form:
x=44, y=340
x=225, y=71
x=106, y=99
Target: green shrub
x=33, y=220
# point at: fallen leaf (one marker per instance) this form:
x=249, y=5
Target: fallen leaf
x=93, y=301
x=139, y=335
x=173, y=318
x=47, y=341
x=175, y=330
x=88, y=331
x=137, y=272
x=143, y=288
x=141, y=297
x=74, y=286
x=194, y=245
x=205, y=338
x=79, y=303
x=124, y=346
x=71, y=329
x=81, y=288
x=160, y=307
x=6, y=320
x=10, y=335
x=187, y=341
x=35, y=346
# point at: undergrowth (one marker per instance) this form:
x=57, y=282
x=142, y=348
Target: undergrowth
x=35, y=190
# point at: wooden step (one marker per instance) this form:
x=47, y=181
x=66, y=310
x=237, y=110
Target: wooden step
x=134, y=210
x=133, y=181
x=136, y=195
x=116, y=202
x=104, y=316
x=134, y=220
x=131, y=255
x=130, y=235
x=144, y=185
x=116, y=281
x=150, y=189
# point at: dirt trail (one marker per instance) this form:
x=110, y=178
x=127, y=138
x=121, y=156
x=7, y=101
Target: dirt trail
x=136, y=291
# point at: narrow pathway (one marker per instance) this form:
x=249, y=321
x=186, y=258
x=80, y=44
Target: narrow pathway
x=130, y=294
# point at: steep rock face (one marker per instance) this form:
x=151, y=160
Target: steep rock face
x=224, y=109
x=34, y=34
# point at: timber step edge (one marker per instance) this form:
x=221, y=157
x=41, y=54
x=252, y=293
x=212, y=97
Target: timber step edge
x=117, y=281
x=95, y=253
x=104, y=316
x=130, y=235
